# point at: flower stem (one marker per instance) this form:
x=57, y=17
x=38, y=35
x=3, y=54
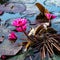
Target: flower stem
x=26, y=34
x=29, y=42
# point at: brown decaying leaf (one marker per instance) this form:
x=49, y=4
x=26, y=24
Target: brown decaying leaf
x=42, y=9
x=43, y=52
x=56, y=46
x=48, y=50
x=57, y=37
x=42, y=15
x=46, y=11
x=38, y=28
x=42, y=31
x=56, y=41
x=51, y=30
x=45, y=41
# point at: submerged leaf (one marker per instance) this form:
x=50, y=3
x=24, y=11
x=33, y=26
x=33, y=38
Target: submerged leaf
x=17, y=57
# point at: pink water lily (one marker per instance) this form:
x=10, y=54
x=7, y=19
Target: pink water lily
x=19, y=22
x=20, y=25
x=21, y=29
x=53, y=16
x=12, y=36
x=50, y=16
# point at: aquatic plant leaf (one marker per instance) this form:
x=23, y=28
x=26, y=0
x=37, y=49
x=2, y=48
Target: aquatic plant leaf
x=13, y=7
x=7, y=48
x=42, y=8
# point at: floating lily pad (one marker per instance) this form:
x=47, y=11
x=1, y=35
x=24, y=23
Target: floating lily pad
x=6, y=48
x=13, y=7
x=4, y=31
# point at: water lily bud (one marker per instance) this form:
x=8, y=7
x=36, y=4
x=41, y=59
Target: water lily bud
x=3, y=57
x=48, y=16
x=12, y=36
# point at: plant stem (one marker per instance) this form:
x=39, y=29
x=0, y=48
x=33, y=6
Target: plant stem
x=26, y=34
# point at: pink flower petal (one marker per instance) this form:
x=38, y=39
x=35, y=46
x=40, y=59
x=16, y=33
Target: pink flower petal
x=19, y=22
x=12, y=36
x=19, y=29
x=24, y=21
x=48, y=16
x=53, y=16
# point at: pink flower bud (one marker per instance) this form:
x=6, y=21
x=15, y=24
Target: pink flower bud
x=12, y=36
x=53, y=16
x=50, y=16
x=3, y=57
